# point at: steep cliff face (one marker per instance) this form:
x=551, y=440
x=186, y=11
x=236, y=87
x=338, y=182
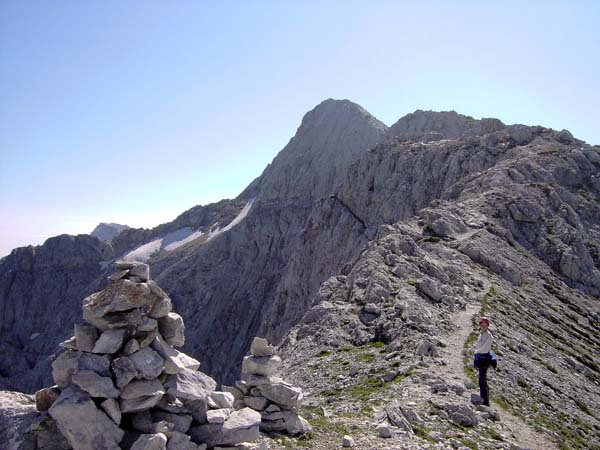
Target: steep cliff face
x=237, y=280
x=40, y=294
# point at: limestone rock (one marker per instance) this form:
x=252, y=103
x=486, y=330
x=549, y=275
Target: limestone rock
x=124, y=371
x=84, y=426
x=261, y=347
x=94, y=384
x=148, y=363
x=218, y=415
x=110, y=341
x=175, y=361
x=70, y=362
x=190, y=385
x=111, y=407
x=222, y=399
x=85, y=337
x=261, y=365
x=281, y=393
x=181, y=422
x=172, y=329
x=347, y=441
x=240, y=426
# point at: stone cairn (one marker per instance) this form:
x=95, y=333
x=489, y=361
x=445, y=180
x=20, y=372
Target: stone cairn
x=121, y=384
x=275, y=400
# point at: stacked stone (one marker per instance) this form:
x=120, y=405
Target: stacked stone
x=121, y=384
x=276, y=401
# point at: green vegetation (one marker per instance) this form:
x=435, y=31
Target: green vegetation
x=323, y=353
x=366, y=357
x=432, y=239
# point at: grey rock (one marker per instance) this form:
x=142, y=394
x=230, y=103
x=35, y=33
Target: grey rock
x=121, y=295
x=218, y=415
x=94, y=384
x=161, y=308
x=281, y=393
x=222, y=399
x=173, y=405
x=111, y=408
x=240, y=426
x=107, y=231
x=172, y=329
x=148, y=363
x=132, y=346
x=156, y=441
x=295, y=424
x=347, y=441
x=147, y=324
x=85, y=337
x=181, y=422
x=17, y=415
x=142, y=388
x=139, y=403
x=261, y=365
x=120, y=319
x=141, y=271
x=84, y=426
x=174, y=360
x=261, y=347
x=256, y=403
x=118, y=275
x=70, y=344
x=110, y=341
x=396, y=416
x=180, y=441
x=384, y=430
x=190, y=385
x=124, y=371
x=70, y=362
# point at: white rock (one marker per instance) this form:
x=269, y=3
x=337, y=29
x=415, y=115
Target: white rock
x=223, y=399
x=218, y=415
x=261, y=347
x=347, y=441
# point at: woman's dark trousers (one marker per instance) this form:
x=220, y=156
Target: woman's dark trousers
x=484, y=390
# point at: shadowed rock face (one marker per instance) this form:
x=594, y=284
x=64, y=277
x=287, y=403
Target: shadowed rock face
x=314, y=210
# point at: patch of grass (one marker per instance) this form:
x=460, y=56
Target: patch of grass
x=412, y=281
x=549, y=367
x=378, y=344
x=365, y=357
x=582, y=406
x=364, y=391
x=323, y=353
x=469, y=443
x=432, y=239
x=347, y=348
x=495, y=435
x=422, y=431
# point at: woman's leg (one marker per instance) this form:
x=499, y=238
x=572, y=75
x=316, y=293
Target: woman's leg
x=483, y=386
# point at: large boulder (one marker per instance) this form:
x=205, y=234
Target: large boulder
x=84, y=425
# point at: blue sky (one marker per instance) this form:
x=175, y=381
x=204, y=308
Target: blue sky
x=134, y=111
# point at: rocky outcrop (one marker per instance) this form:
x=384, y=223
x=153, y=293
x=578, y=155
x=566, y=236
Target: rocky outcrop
x=107, y=231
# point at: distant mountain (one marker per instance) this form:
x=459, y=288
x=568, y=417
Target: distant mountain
x=107, y=231
x=255, y=265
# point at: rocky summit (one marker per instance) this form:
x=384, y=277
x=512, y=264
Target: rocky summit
x=365, y=253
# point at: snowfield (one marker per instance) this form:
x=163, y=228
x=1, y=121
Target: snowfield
x=176, y=239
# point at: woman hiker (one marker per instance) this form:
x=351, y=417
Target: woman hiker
x=483, y=357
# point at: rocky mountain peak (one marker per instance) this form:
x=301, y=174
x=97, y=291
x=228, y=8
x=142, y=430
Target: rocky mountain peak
x=446, y=124
x=327, y=141
x=107, y=231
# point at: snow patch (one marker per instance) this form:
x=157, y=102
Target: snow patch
x=243, y=213
x=176, y=239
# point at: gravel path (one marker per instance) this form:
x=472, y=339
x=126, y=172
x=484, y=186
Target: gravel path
x=510, y=425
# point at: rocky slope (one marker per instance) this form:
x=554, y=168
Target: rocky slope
x=107, y=231
x=469, y=206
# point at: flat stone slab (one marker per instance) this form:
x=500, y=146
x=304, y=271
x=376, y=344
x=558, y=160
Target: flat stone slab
x=95, y=385
x=261, y=365
x=110, y=341
x=240, y=426
x=281, y=393
x=190, y=385
x=120, y=295
x=175, y=361
x=124, y=371
x=142, y=388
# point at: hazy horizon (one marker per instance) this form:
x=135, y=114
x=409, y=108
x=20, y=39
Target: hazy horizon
x=116, y=113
